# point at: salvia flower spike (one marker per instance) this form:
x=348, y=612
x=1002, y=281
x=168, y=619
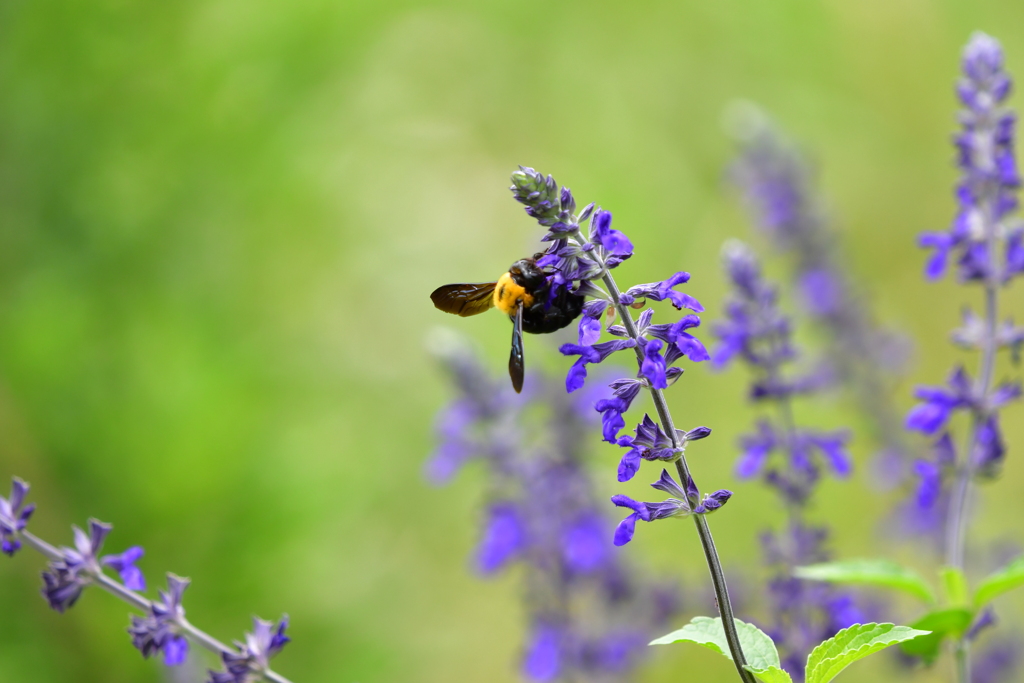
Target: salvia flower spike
x=787, y=458
x=984, y=246
x=777, y=184
x=163, y=627
x=584, y=260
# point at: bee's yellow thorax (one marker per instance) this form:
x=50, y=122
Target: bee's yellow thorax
x=507, y=294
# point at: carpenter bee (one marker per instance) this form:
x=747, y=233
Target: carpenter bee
x=524, y=294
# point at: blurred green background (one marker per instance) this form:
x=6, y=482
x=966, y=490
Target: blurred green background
x=219, y=223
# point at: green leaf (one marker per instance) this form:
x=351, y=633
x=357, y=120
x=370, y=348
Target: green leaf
x=857, y=642
x=758, y=648
x=1006, y=579
x=941, y=623
x=955, y=584
x=771, y=675
x=873, y=572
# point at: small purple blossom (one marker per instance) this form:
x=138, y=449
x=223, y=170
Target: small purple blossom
x=253, y=657
x=159, y=630
x=938, y=404
x=503, y=537
x=543, y=661
x=124, y=565
x=676, y=506
x=613, y=241
x=989, y=449
x=14, y=516
x=650, y=442
x=589, y=355
x=67, y=577
x=665, y=290
x=653, y=367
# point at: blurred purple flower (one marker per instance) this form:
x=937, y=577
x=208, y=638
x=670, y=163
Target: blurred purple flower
x=14, y=516
x=159, y=630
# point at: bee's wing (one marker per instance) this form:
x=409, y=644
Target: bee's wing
x=464, y=299
x=516, y=364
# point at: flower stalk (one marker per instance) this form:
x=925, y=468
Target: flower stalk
x=707, y=542
x=72, y=570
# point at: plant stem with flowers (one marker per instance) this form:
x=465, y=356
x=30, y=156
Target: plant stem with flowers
x=788, y=459
x=577, y=261
x=164, y=627
x=980, y=235
x=988, y=249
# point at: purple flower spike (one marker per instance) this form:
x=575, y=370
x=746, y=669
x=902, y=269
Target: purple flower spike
x=14, y=516
x=158, y=631
x=124, y=565
x=989, y=178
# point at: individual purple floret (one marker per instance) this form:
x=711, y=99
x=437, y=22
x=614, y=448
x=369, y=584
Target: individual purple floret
x=677, y=506
x=14, y=516
x=68, y=576
x=787, y=458
x=590, y=616
x=254, y=655
x=160, y=630
x=124, y=565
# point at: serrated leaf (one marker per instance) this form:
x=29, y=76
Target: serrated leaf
x=1006, y=579
x=955, y=585
x=873, y=572
x=941, y=623
x=758, y=648
x=851, y=644
x=771, y=675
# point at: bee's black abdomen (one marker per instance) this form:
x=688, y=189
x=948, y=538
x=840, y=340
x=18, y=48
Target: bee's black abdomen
x=541, y=318
x=544, y=316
